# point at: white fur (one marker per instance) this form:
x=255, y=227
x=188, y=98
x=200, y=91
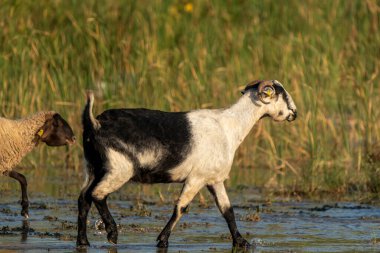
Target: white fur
x=120, y=170
x=221, y=197
x=217, y=134
x=147, y=158
x=86, y=173
x=150, y=157
x=209, y=147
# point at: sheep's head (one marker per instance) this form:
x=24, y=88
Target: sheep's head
x=56, y=131
x=276, y=100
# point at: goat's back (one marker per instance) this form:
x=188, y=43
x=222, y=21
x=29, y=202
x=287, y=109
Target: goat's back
x=153, y=141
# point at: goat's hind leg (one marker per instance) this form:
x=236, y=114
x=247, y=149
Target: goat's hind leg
x=84, y=205
x=219, y=192
x=111, y=182
x=24, y=191
x=107, y=218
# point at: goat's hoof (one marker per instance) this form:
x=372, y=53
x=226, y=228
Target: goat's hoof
x=112, y=237
x=162, y=244
x=25, y=208
x=82, y=243
x=242, y=243
x=25, y=213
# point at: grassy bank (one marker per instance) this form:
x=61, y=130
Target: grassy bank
x=181, y=55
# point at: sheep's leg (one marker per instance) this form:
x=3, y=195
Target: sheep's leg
x=84, y=205
x=189, y=190
x=219, y=192
x=24, y=192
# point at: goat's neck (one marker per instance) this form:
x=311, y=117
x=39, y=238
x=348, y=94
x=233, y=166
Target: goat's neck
x=239, y=119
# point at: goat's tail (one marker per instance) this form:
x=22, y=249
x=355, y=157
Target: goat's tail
x=88, y=120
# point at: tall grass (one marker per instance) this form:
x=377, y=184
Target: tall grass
x=181, y=55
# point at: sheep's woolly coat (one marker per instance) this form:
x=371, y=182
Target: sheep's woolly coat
x=18, y=138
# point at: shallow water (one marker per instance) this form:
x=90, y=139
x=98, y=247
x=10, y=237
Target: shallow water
x=284, y=226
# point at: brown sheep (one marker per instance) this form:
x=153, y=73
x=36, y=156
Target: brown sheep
x=19, y=137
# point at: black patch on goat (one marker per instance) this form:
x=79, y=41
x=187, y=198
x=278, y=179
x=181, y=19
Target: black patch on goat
x=145, y=129
x=252, y=85
x=280, y=90
x=95, y=155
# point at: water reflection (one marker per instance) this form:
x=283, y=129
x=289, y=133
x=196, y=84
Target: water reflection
x=241, y=250
x=287, y=226
x=81, y=249
x=112, y=249
x=24, y=230
x=161, y=250
x=108, y=249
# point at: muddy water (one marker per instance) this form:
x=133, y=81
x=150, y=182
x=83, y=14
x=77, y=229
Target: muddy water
x=286, y=226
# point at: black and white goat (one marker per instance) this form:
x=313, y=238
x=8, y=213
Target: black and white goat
x=195, y=148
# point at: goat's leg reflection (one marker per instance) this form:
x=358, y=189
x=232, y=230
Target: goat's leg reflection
x=24, y=230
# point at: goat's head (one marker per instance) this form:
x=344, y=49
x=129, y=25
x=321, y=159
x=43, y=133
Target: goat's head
x=277, y=101
x=56, y=131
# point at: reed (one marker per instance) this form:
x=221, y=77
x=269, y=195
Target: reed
x=181, y=55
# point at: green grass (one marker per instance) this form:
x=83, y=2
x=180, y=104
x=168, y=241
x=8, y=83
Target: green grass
x=159, y=55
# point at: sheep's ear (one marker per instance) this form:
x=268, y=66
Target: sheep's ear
x=40, y=132
x=47, y=128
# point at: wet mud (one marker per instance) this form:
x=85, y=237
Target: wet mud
x=279, y=226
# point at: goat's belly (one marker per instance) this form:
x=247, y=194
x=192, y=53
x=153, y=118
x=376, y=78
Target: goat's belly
x=149, y=177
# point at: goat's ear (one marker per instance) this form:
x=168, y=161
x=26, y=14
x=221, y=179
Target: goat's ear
x=266, y=94
x=269, y=92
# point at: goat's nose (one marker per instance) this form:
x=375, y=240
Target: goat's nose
x=292, y=116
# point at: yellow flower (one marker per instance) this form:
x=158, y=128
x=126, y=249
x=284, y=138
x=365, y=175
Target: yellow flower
x=188, y=7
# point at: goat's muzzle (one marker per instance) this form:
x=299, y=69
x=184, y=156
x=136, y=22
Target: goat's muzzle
x=292, y=116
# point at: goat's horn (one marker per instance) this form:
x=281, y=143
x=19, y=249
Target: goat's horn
x=261, y=88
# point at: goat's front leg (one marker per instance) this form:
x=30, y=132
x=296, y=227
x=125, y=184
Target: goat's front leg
x=24, y=192
x=219, y=192
x=189, y=190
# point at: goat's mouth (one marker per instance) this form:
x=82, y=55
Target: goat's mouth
x=265, y=116
x=292, y=116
